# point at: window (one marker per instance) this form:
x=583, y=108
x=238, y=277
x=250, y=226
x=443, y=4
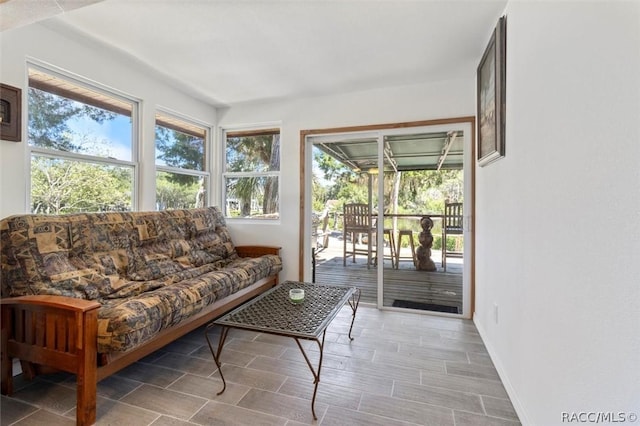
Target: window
x=181, y=176
x=81, y=142
x=251, y=175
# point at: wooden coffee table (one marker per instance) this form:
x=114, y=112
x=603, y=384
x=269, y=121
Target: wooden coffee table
x=272, y=312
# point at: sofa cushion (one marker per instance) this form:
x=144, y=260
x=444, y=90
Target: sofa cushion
x=152, y=261
x=204, y=220
x=216, y=242
x=128, y=322
x=165, y=244
x=40, y=245
x=103, y=242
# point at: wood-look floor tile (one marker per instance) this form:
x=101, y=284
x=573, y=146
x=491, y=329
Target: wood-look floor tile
x=110, y=412
x=454, y=344
x=252, y=378
x=397, y=372
x=337, y=416
x=228, y=356
x=115, y=387
x=150, y=373
x=342, y=328
x=480, y=358
x=350, y=351
x=498, y=407
x=298, y=368
x=215, y=413
x=165, y=401
x=21, y=382
x=296, y=409
x=254, y=348
x=373, y=384
x=188, y=364
x=328, y=394
x=185, y=346
x=12, y=410
x=279, y=340
x=152, y=357
x=236, y=333
x=44, y=417
x=402, y=334
x=472, y=370
x=464, y=336
x=447, y=324
x=328, y=360
x=469, y=419
x=389, y=359
x=370, y=342
x=439, y=396
x=170, y=421
x=431, y=352
x=464, y=384
x=52, y=397
x=208, y=387
x=419, y=332
x=405, y=410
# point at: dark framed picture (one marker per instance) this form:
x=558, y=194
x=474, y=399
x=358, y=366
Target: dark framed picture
x=10, y=113
x=491, y=96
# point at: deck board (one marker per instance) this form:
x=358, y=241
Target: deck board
x=405, y=283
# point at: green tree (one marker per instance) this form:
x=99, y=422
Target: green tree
x=254, y=154
x=180, y=150
x=49, y=117
x=59, y=186
x=171, y=194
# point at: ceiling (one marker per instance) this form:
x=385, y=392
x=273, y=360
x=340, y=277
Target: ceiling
x=231, y=52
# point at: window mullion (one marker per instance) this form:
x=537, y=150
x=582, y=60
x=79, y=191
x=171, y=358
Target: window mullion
x=50, y=153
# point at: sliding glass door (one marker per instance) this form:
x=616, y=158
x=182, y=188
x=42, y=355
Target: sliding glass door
x=401, y=178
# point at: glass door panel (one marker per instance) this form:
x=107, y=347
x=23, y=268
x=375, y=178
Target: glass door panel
x=405, y=176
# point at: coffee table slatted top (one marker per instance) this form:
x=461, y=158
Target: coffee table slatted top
x=274, y=313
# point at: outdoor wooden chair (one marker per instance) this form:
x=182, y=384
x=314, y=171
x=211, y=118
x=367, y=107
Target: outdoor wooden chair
x=452, y=224
x=357, y=221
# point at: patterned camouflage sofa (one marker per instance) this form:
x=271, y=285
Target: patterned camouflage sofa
x=114, y=287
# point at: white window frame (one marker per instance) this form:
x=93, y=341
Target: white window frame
x=224, y=175
x=81, y=82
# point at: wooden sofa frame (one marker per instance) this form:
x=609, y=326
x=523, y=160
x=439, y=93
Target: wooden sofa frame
x=53, y=333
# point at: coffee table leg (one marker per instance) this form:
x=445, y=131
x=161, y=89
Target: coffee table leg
x=216, y=354
x=354, y=302
x=316, y=373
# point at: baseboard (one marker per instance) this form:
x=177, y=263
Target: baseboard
x=513, y=395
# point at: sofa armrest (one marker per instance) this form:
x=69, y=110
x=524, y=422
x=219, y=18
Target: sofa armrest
x=256, y=251
x=60, y=302
x=57, y=332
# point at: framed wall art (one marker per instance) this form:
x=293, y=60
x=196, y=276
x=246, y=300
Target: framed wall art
x=10, y=113
x=491, y=92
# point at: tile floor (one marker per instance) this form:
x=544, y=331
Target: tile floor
x=401, y=369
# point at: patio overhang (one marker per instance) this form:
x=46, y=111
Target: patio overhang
x=404, y=152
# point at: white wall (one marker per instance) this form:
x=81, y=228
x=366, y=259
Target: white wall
x=558, y=219
x=438, y=100
x=94, y=63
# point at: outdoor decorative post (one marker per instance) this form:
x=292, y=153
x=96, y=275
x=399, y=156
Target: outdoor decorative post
x=423, y=253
